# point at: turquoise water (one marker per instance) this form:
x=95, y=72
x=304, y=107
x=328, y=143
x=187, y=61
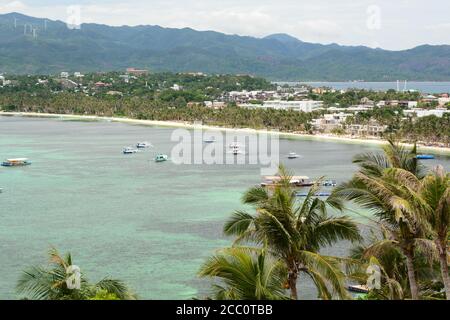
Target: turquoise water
x=151, y=225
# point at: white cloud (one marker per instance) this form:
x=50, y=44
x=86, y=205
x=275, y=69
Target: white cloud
x=319, y=29
x=439, y=27
x=10, y=6
x=404, y=24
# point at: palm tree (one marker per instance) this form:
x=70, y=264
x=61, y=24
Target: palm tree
x=295, y=233
x=246, y=275
x=51, y=283
x=391, y=263
x=384, y=185
x=394, y=156
x=435, y=190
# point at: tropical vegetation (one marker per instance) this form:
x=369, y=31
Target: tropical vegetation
x=411, y=217
x=293, y=233
x=407, y=242
x=53, y=282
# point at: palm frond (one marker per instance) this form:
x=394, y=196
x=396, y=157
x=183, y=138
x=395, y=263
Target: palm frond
x=238, y=223
x=116, y=287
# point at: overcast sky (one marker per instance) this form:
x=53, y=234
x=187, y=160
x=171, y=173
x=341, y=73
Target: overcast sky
x=389, y=24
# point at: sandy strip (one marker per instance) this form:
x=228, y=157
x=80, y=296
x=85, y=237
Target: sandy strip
x=187, y=125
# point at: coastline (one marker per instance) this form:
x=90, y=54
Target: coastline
x=187, y=125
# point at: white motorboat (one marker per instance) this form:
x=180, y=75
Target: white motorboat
x=129, y=150
x=19, y=162
x=143, y=145
x=293, y=155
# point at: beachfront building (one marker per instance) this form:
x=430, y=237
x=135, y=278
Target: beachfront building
x=354, y=109
x=215, y=104
x=371, y=129
x=420, y=113
x=304, y=106
x=331, y=121
x=443, y=100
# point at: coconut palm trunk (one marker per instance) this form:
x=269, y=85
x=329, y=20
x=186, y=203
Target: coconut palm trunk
x=444, y=268
x=411, y=274
x=292, y=279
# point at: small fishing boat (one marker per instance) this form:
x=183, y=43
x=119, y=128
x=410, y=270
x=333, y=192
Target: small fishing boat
x=210, y=140
x=425, y=157
x=20, y=162
x=129, y=150
x=293, y=155
x=329, y=183
x=161, y=158
x=143, y=145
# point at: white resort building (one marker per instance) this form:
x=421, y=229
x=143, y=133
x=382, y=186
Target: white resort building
x=305, y=106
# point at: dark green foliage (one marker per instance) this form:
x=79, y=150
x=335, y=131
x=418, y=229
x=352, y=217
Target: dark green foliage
x=98, y=48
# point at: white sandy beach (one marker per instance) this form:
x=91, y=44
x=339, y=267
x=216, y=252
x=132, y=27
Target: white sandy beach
x=186, y=125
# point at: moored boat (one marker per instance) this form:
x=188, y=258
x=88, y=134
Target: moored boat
x=293, y=155
x=143, y=145
x=19, y=162
x=129, y=150
x=161, y=158
x=210, y=140
x=296, y=181
x=329, y=183
x=425, y=157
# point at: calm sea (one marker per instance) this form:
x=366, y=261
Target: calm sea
x=151, y=225
x=423, y=87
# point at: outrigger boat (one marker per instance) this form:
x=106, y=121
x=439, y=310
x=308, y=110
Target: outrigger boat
x=20, y=162
x=296, y=181
x=143, y=145
x=161, y=158
x=129, y=150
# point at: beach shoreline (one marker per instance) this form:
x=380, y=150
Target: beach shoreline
x=187, y=125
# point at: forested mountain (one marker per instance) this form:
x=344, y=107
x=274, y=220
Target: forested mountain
x=33, y=45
